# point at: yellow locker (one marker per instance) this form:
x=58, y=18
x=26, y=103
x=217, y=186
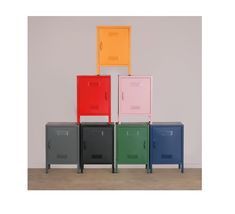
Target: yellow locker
x=113, y=46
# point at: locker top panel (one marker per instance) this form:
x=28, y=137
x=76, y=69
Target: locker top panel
x=140, y=124
x=135, y=76
x=93, y=76
x=98, y=124
x=167, y=124
x=110, y=27
x=66, y=124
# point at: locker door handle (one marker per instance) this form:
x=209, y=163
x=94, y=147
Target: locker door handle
x=49, y=144
x=144, y=144
x=154, y=144
x=122, y=95
x=106, y=96
x=101, y=46
x=84, y=145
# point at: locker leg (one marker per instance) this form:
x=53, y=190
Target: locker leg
x=147, y=168
x=179, y=166
x=129, y=70
x=150, y=168
x=182, y=168
x=109, y=122
x=116, y=168
x=78, y=168
x=48, y=166
x=98, y=70
x=113, y=170
x=82, y=167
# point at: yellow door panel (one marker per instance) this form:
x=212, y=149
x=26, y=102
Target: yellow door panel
x=113, y=46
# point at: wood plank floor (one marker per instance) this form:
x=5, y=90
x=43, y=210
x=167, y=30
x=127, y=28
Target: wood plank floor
x=103, y=179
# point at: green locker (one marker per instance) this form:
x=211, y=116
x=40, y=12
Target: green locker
x=132, y=144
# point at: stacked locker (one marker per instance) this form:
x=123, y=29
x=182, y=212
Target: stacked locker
x=142, y=142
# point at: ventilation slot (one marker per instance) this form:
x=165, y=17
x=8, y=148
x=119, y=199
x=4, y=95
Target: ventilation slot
x=94, y=84
x=132, y=156
x=135, y=107
x=166, y=156
x=166, y=133
x=113, y=33
x=62, y=133
x=135, y=84
x=113, y=58
x=62, y=156
x=94, y=107
x=97, y=156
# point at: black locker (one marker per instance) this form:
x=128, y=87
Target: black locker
x=97, y=144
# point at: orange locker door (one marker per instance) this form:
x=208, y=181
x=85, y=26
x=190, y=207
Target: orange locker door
x=113, y=46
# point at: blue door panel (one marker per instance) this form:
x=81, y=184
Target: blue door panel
x=166, y=144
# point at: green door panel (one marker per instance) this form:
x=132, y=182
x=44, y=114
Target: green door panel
x=132, y=144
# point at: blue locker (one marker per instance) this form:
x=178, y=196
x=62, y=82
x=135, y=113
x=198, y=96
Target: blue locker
x=167, y=144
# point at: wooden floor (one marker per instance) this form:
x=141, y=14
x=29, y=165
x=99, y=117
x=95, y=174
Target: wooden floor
x=103, y=179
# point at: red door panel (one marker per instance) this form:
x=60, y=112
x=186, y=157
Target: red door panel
x=93, y=96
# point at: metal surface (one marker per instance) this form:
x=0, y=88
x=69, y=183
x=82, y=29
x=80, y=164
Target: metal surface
x=132, y=144
x=97, y=144
x=62, y=146
x=166, y=144
x=93, y=96
x=135, y=96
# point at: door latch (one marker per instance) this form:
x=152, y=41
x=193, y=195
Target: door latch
x=49, y=144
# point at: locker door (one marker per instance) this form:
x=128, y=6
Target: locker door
x=168, y=144
x=62, y=145
x=94, y=95
x=135, y=95
x=97, y=145
x=132, y=145
x=113, y=46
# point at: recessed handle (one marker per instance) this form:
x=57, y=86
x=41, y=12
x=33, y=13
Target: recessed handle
x=122, y=95
x=154, y=144
x=101, y=46
x=106, y=96
x=84, y=145
x=49, y=144
x=144, y=144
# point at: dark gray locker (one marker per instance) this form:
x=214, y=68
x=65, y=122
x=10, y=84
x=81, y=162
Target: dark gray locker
x=62, y=144
x=97, y=144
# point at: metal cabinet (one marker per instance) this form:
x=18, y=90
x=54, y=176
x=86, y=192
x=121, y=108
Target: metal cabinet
x=113, y=46
x=132, y=144
x=93, y=96
x=167, y=144
x=135, y=96
x=97, y=144
x=62, y=144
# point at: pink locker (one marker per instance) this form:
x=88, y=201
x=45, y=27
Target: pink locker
x=135, y=96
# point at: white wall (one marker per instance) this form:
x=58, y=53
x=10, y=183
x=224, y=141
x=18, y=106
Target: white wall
x=169, y=48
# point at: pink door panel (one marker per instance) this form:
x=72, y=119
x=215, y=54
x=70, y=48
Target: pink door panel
x=135, y=95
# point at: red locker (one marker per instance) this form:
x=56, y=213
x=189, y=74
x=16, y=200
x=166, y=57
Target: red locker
x=93, y=96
